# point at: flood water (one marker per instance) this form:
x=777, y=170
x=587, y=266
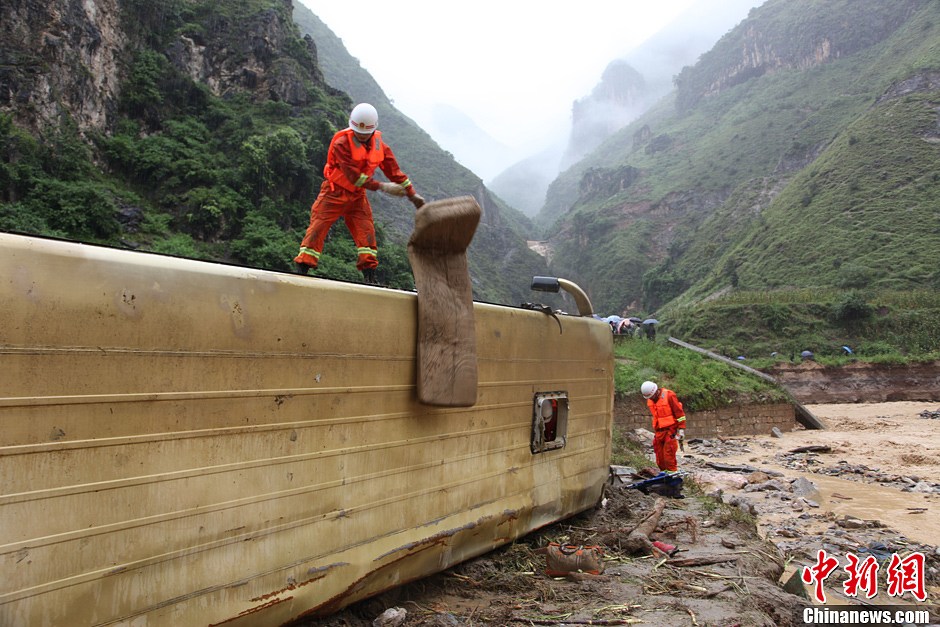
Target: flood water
x=893, y=438
x=914, y=515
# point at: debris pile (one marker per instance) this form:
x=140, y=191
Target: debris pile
x=799, y=528
x=729, y=554
x=665, y=561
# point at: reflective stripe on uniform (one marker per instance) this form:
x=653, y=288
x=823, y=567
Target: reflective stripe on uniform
x=311, y=252
x=365, y=250
x=361, y=180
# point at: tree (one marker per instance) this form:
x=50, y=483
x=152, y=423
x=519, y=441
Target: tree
x=274, y=164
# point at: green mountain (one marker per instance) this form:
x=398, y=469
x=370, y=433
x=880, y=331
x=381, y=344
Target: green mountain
x=801, y=152
x=783, y=196
x=200, y=129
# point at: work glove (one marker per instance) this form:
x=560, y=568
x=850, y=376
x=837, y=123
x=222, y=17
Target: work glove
x=680, y=435
x=417, y=201
x=392, y=189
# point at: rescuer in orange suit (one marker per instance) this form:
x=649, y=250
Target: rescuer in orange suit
x=668, y=424
x=353, y=156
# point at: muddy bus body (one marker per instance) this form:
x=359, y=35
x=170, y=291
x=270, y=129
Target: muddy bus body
x=188, y=443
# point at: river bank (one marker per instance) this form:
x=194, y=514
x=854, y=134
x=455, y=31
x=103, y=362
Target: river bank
x=859, y=382
x=880, y=460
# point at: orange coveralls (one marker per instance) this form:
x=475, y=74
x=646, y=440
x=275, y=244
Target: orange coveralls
x=668, y=417
x=348, y=173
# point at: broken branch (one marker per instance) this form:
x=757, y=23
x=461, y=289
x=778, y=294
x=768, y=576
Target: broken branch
x=704, y=560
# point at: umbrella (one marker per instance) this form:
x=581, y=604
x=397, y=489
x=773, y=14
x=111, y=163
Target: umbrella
x=651, y=321
x=634, y=320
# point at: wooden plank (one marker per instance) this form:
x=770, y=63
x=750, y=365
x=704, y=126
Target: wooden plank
x=447, y=361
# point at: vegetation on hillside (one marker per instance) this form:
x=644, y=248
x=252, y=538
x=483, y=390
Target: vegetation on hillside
x=229, y=175
x=183, y=171
x=701, y=383
x=878, y=326
x=812, y=172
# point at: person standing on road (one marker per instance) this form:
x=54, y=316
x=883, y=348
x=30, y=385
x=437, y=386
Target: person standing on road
x=354, y=154
x=668, y=424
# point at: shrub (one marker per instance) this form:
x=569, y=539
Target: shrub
x=178, y=245
x=263, y=244
x=873, y=348
x=852, y=308
x=274, y=164
x=78, y=209
x=208, y=211
x=853, y=276
x=18, y=217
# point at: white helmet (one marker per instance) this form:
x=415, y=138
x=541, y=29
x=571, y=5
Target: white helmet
x=648, y=389
x=364, y=119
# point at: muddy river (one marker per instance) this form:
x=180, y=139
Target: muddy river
x=882, y=463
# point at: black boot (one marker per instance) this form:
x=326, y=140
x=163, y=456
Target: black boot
x=368, y=275
x=301, y=268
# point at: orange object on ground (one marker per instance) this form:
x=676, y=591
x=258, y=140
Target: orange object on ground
x=668, y=549
x=562, y=559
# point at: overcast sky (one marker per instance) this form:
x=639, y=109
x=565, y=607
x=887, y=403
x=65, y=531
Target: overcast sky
x=513, y=66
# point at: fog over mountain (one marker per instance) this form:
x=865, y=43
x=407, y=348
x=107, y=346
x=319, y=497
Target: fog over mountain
x=628, y=87
x=476, y=149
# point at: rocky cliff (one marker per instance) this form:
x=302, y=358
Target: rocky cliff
x=61, y=56
x=250, y=56
x=617, y=100
x=824, y=31
x=72, y=56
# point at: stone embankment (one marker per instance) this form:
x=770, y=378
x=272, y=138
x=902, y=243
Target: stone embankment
x=631, y=413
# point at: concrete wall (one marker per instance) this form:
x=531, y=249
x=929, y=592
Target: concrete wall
x=632, y=413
